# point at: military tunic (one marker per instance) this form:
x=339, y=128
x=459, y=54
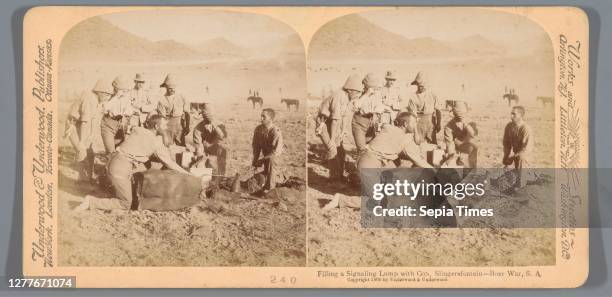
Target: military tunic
x=173, y=107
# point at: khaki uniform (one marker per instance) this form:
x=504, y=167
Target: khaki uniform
x=268, y=141
x=173, y=108
x=391, y=96
x=84, y=117
x=390, y=144
x=129, y=158
x=459, y=138
x=426, y=107
x=117, y=112
x=144, y=104
x=208, y=137
x=366, y=119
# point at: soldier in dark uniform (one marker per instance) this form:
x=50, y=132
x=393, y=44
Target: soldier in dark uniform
x=267, y=147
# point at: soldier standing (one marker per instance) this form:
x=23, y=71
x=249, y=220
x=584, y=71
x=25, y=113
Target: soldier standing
x=142, y=101
x=84, y=116
x=117, y=112
x=267, y=142
x=332, y=123
x=391, y=98
x=175, y=108
x=517, y=140
x=208, y=136
x=424, y=104
x=459, y=136
x=369, y=107
x=130, y=158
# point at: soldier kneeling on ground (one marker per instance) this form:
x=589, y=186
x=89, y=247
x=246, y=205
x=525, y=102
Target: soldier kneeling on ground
x=208, y=136
x=129, y=158
x=267, y=147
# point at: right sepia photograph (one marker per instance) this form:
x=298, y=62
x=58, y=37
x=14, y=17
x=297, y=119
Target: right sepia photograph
x=467, y=91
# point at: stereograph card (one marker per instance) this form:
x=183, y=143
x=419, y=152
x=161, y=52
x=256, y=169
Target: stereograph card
x=306, y=147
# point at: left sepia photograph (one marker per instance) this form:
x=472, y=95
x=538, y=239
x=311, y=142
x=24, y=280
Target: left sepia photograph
x=181, y=141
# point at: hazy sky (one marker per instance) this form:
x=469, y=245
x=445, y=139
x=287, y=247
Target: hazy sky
x=194, y=26
x=453, y=23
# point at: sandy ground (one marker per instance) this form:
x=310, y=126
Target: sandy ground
x=227, y=230
x=336, y=238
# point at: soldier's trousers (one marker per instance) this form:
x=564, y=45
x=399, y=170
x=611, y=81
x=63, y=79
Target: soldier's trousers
x=120, y=171
x=425, y=126
x=469, y=150
x=519, y=164
x=220, y=153
x=111, y=132
x=270, y=171
x=336, y=164
x=175, y=130
x=363, y=130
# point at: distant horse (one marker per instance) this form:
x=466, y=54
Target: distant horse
x=290, y=102
x=511, y=97
x=545, y=100
x=255, y=100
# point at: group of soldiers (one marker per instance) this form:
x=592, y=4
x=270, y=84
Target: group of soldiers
x=139, y=128
x=391, y=129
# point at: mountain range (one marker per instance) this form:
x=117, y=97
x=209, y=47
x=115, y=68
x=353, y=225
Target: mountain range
x=353, y=36
x=98, y=40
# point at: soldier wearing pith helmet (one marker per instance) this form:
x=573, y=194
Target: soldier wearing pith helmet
x=143, y=102
x=425, y=105
x=333, y=121
x=117, y=112
x=391, y=97
x=175, y=108
x=82, y=124
x=368, y=109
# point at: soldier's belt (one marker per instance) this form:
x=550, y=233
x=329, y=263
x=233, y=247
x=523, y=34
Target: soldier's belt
x=133, y=158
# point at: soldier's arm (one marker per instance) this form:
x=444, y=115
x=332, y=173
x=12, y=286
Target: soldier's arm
x=507, y=142
x=335, y=117
x=256, y=146
x=163, y=154
x=412, y=151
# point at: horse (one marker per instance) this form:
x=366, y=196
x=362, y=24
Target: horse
x=255, y=100
x=511, y=97
x=290, y=102
x=545, y=100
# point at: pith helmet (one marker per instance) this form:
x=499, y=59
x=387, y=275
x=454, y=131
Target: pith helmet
x=139, y=78
x=103, y=86
x=353, y=82
x=420, y=79
x=121, y=83
x=168, y=82
x=372, y=80
x=390, y=75
x=460, y=108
